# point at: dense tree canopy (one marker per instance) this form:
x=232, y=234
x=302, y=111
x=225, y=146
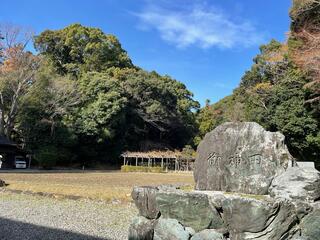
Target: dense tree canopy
x=77, y=48
x=148, y=105
x=85, y=101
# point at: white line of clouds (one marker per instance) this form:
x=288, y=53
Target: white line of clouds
x=200, y=26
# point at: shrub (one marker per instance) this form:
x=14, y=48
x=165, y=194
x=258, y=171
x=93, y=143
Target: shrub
x=127, y=168
x=47, y=157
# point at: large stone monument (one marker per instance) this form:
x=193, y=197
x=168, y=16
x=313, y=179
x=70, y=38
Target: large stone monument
x=240, y=157
x=247, y=187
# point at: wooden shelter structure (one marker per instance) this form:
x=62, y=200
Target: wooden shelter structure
x=10, y=152
x=168, y=160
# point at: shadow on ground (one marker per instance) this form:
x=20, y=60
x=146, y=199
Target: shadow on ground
x=14, y=230
x=55, y=171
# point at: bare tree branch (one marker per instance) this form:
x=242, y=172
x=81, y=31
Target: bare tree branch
x=17, y=71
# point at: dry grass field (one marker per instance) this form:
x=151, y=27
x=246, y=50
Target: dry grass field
x=107, y=186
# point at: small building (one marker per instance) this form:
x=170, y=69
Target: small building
x=168, y=160
x=10, y=152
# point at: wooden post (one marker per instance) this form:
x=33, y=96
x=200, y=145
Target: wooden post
x=162, y=162
x=30, y=158
x=148, y=162
x=167, y=165
x=175, y=165
x=124, y=160
x=136, y=161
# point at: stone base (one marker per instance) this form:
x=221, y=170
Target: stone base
x=170, y=213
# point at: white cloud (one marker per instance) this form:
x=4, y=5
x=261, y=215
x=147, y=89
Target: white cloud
x=200, y=26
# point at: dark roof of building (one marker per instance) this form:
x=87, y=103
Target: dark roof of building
x=6, y=141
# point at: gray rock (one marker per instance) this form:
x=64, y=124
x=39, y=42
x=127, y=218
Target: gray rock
x=191, y=231
x=302, y=208
x=244, y=214
x=240, y=157
x=256, y=217
x=191, y=209
x=141, y=228
x=170, y=229
x=145, y=200
x=240, y=216
x=208, y=234
x=298, y=237
x=306, y=165
x=171, y=187
x=282, y=225
x=297, y=184
x=310, y=226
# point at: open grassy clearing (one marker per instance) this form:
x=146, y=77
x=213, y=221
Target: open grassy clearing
x=113, y=185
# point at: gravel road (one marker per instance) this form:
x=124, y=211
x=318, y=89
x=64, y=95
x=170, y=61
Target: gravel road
x=35, y=217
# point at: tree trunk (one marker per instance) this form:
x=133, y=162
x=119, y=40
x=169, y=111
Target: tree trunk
x=8, y=129
x=2, y=122
x=13, y=110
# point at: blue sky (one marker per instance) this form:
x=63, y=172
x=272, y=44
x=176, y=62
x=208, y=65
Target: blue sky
x=208, y=45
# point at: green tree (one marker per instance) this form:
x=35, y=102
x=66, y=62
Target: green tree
x=41, y=121
x=228, y=109
x=277, y=100
x=128, y=107
x=89, y=102
x=77, y=48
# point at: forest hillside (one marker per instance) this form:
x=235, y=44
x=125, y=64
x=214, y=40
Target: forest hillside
x=281, y=91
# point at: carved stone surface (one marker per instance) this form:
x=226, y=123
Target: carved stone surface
x=240, y=157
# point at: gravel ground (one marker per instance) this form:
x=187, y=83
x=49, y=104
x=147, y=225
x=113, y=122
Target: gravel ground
x=32, y=217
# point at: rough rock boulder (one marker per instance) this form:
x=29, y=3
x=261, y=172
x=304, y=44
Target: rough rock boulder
x=208, y=234
x=297, y=184
x=240, y=157
x=170, y=229
x=237, y=216
x=141, y=229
